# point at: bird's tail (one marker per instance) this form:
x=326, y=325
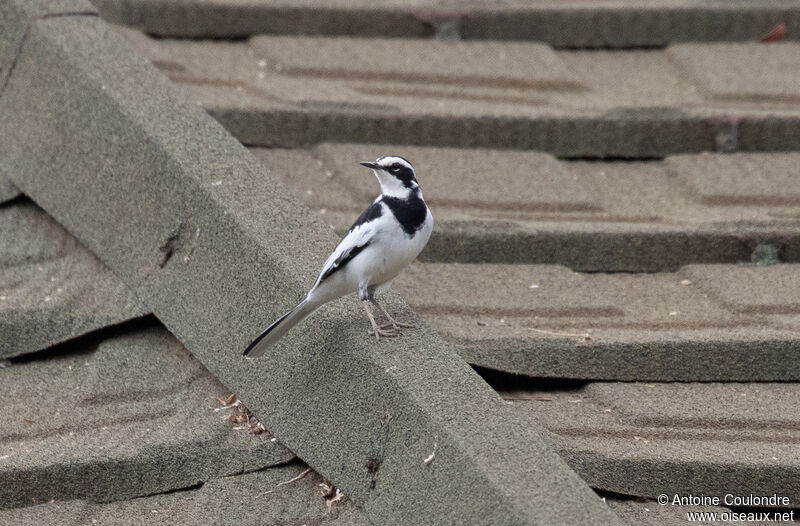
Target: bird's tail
x=280, y=327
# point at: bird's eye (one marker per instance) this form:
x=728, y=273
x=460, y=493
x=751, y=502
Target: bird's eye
x=395, y=167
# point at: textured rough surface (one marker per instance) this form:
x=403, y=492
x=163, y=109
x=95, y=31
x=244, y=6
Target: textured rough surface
x=52, y=288
x=217, y=248
x=743, y=71
x=646, y=512
x=489, y=65
x=284, y=91
x=216, y=245
x=454, y=180
x=7, y=190
x=501, y=206
x=241, y=500
x=740, y=182
x=751, y=290
x=258, y=498
x=118, y=418
x=704, y=323
x=648, y=439
x=575, y=23
x=15, y=19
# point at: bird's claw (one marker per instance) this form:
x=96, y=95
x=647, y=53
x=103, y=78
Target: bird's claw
x=397, y=325
x=390, y=330
x=379, y=332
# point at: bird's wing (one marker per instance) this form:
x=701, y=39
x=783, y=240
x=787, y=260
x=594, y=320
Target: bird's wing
x=356, y=240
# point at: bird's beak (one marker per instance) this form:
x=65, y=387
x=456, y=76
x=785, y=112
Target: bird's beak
x=373, y=165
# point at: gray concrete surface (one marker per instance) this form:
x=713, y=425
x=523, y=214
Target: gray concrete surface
x=257, y=498
x=118, y=418
x=212, y=244
x=632, y=104
x=565, y=24
x=505, y=206
x=693, y=438
x=51, y=288
x=703, y=323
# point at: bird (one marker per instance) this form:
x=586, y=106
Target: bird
x=384, y=239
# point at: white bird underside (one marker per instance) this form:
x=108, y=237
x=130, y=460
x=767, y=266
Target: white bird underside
x=387, y=252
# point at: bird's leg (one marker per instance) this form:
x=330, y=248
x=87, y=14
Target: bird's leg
x=377, y=331
x=392, y=322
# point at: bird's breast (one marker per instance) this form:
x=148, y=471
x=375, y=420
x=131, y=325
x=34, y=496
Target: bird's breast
x=410, y=213
x=401, y=248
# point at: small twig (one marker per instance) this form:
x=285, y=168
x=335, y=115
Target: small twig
x=237, y=403
x=430, y=457
x=295, y=479
x=582, y=337
x=537, y=398
x=298, y=477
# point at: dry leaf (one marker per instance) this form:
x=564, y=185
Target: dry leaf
x=776, y=34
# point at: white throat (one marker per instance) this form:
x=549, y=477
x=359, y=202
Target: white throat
x=393, y=187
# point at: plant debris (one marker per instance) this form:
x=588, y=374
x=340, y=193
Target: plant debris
x=331, y=493
x=580, y=337
x=430, y=457
x=776, y=34
x=526, y=395
x=241, y=415
x=537, y=398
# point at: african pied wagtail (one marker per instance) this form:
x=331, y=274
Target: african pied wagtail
x=379, y=245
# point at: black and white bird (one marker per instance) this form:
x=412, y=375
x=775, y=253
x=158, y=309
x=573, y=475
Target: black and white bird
x=380, y=244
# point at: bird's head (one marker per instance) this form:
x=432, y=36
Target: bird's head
x=395, y=174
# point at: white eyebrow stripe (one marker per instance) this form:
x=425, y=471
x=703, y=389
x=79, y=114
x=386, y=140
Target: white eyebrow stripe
x=390, y=160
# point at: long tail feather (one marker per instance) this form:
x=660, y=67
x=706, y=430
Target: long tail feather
x=280, y=327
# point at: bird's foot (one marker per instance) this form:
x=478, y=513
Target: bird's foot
x=393, y=323
x=383, y=332
x=396, y=326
